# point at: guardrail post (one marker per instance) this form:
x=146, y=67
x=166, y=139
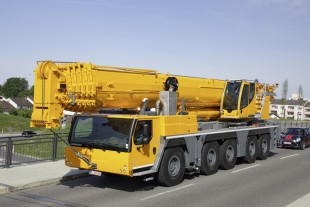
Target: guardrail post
x=55, y=144
x=9, y=150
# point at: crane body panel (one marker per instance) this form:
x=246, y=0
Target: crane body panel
x=84, y=87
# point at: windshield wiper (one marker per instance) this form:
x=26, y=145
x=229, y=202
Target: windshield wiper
x=111, y=146
x=102, y=146
x=93, y=144
x=88, y=146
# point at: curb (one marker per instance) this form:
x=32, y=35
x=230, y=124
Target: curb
x=7, y=189
x=3, y=190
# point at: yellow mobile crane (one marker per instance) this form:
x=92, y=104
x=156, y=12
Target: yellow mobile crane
x=151, y=124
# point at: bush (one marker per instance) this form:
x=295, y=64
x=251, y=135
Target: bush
x=13, y=112
x=24, y=113
x=21, y=112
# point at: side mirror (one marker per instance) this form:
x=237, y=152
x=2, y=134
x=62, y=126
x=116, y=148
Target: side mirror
x=147, y=132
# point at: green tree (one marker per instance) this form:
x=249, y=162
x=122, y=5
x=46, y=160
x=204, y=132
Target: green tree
x=300, y=95
x=300, y=92
x=15, y=87
x=31, y=91
x=1, y=90
x=284, y=91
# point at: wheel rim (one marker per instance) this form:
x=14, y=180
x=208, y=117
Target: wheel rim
x=174, y=166
x=252, y=148
x=230, y=153
x=264, y=146
x=211, y=157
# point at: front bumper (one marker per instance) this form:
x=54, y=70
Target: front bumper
x=290, y=143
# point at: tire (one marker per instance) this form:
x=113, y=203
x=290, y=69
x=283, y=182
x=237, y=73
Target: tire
x=172, y=167
x=228, y=154
x=210, y=158
x=251, y=149
x=301, y=145
x=263, y=147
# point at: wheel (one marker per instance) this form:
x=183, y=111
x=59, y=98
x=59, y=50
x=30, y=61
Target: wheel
x=263, y=147
x=172, y=167
x=301, y=145
x=210, y=158
x=250, y=149
x=228, y=154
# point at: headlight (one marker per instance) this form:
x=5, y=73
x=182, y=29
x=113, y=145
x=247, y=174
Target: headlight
x=298, y=139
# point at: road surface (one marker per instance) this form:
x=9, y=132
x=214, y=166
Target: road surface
x=277, y=182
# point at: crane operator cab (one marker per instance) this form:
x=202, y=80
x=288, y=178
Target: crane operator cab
x=243, y=100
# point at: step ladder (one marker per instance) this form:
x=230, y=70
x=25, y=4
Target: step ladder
x=260, y=101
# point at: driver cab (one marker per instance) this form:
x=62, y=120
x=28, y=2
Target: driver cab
x=238, y=100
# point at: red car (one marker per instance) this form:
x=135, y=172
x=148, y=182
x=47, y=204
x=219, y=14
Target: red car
x=297, y=137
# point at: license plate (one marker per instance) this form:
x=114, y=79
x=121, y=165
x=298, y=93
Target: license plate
x=95, y=173
x=287, y=143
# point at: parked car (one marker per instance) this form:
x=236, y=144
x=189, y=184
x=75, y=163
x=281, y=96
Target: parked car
x=28, y=133
x=295, y=137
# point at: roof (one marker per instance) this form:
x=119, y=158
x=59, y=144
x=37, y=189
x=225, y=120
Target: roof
x=21, y=102
x=289, y=102
x=307, y=104
x=6, y=105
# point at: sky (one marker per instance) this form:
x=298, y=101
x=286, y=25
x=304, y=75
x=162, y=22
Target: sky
x=268, y=40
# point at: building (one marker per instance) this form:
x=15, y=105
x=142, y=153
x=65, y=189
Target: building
x=15, y=103
x=307, y=111
x=291, y=109
x=6, y=107
x=20, y=103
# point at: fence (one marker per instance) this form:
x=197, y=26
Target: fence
x=15, y=150
x=286, y=124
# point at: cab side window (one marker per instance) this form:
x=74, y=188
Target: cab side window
x=245, y=97
x=252, y=91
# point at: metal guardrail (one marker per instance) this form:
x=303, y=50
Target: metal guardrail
x=15, y=150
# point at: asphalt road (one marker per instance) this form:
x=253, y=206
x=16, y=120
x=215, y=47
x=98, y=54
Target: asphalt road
x=277, y=181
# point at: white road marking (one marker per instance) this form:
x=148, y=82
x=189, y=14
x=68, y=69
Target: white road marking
x=288, y=156
x=246, y=168
x=303, y=201
x=166, y=192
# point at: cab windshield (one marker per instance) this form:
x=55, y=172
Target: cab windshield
x=101, y=133
x=231, y=96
